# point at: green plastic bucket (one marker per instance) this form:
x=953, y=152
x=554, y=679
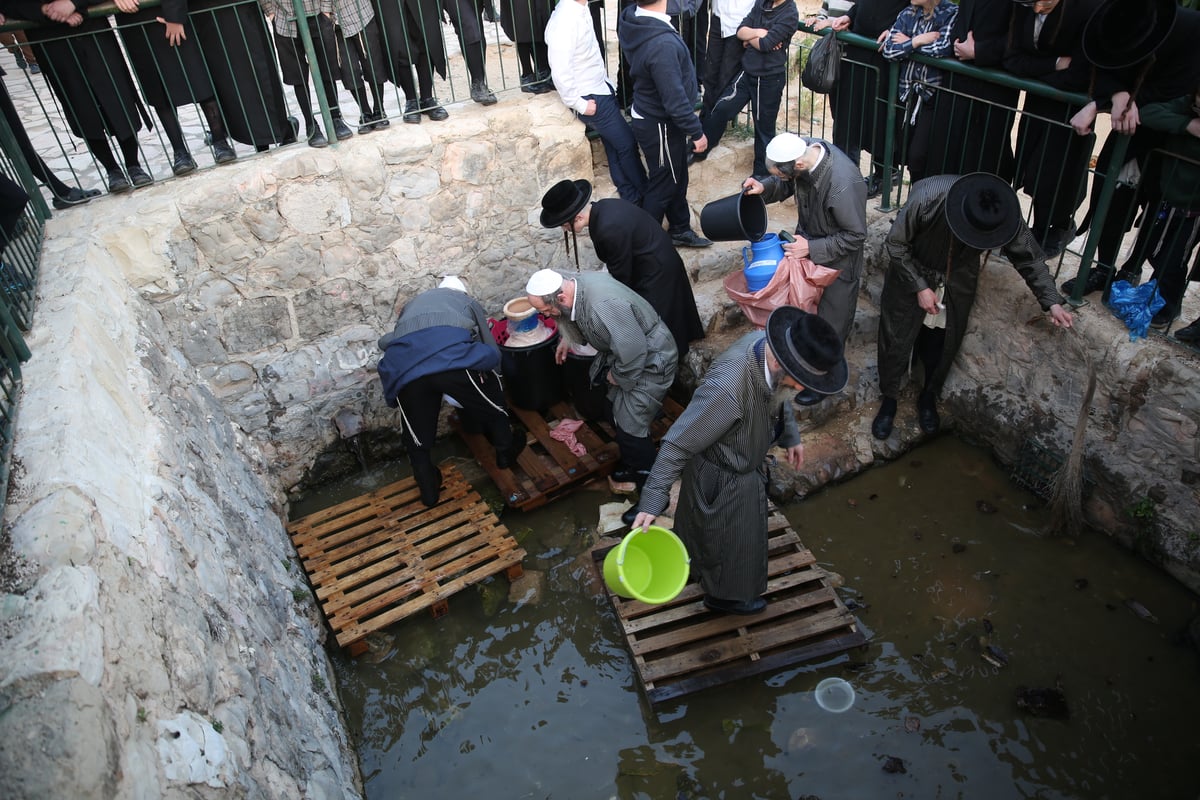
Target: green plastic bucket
x=650, y=565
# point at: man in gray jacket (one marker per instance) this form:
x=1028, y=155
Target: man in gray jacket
x=637, y=356
x=831, y=220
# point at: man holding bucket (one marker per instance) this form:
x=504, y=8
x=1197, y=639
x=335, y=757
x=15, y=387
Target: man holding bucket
x=442, y=346
x=831, y=220
x=718, y=446
x=635, y=353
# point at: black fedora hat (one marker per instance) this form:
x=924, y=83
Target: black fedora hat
x=983, y=211
x=563, y=201
x=1123, y=32
x=808, y=349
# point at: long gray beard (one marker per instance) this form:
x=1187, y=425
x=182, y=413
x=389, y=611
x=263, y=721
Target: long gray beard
x=780, y=393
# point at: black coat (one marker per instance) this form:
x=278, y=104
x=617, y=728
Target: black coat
x=974, y=134
x=859, y=95
x=639, y=253
x=237, y=51
x=171, y=76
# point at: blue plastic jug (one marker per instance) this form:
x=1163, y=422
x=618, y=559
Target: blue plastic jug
x=760, y=259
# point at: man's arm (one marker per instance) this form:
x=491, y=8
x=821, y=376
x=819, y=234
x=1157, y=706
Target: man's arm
x=849, y=211
x=560, y=48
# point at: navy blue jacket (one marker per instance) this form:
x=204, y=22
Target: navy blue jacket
x=664, y=80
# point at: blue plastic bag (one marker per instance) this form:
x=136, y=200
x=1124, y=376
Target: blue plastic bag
x=1135, y=305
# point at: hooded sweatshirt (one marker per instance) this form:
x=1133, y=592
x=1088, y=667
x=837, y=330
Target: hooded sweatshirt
x=664, y=80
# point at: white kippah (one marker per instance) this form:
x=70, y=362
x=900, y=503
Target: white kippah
x=544, y=282
x=786, y=147
x=452, y=282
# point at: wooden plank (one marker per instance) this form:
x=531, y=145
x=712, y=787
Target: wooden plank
x=379, y=558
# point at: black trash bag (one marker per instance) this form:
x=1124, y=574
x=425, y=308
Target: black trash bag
x=1135, y=305
x=821, y=70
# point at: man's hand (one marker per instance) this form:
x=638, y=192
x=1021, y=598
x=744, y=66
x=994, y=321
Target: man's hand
x=611, y=379
x=700, y=145
x=798, y=248
x=1125, y=117
x=841, y=23
x=128, y=6
x=927, y=300
x=59, y=10
x=795, y=456
x=560, y=352
x=590, y=111
x=929, y=37
x=1193, y=127
x=964, y=49
x=1084, y=119
x=1061, y=317
x=175, y=32
x=643, y=520
x=752, y=186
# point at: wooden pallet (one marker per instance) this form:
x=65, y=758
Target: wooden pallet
x=384, y=556
x=547, y=469
x=681, y=647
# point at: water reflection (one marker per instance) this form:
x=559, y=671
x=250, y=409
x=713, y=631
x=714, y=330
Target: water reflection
x=539, y=699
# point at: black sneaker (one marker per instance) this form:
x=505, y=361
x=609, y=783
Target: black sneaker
x=689, y=238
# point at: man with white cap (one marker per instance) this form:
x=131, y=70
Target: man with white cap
x=636, y=354
x=442, y=345
x=831, y=220
x=718, y=446
x=937, y=247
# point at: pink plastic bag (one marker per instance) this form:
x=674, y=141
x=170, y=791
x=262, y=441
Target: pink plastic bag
x=797, y=282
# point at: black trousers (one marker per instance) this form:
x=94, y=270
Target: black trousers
x=481, y=395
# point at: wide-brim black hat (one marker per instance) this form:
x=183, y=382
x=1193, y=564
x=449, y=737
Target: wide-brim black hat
x=1123, y=32
x=563, y=201
x=983, y=211
x=808, y=349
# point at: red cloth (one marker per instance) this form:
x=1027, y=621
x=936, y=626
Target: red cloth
x=797, y=282
x=565, y=433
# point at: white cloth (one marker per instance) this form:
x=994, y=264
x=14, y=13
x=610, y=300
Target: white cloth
x=731, y=13
x=576, y=66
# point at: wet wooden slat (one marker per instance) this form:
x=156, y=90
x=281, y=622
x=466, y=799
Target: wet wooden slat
x=376, y=559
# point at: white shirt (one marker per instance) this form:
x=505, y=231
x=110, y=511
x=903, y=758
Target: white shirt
x=576, y=66
x=731, y=12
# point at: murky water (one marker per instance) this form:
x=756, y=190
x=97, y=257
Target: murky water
x=540, y=700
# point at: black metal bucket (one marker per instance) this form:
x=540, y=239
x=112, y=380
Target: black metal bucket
x=531, y=376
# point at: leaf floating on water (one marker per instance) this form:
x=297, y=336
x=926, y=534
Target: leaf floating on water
x=801, y=739
x=1141, y=611
x=912, y=724
x=894, y=765
x=729, y=726
x=985, y=507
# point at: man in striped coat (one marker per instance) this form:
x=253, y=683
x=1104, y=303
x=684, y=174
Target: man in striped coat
x=719, y=446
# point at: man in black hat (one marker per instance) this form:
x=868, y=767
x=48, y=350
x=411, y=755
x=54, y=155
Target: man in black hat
x=636, y=250
x=719, y=444
x=935, y=248
x=442, y=347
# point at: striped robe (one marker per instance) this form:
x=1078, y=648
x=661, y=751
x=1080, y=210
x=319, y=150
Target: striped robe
x=632, y=341
x=719, y=445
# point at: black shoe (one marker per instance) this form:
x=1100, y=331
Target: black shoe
x=139, y=177
x=364, y=123
x=807, y=397
x=541, y=82
x=634, y=476
x=341, y=130
x=430, y=106
x=744, y=607
x=508, y=458
x=223, y=152
x=875, y=183
x=317, y=137
x=481, y=94
x=1132, y=277
x=1165, y=316
x=629, y=516
x=1190, y=333
x=74, y=197
x=183, y=163
x=527, y=83
x=290, y=138
x=1057, y=239
x=689, y=238
x=881, y=428
x=412, y=113
x=1097, y=279
x=117, y=182
x=927, y=415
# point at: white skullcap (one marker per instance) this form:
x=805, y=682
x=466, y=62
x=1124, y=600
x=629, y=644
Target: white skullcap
x=786, y=147
x=452, y=282
x=544, y=282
